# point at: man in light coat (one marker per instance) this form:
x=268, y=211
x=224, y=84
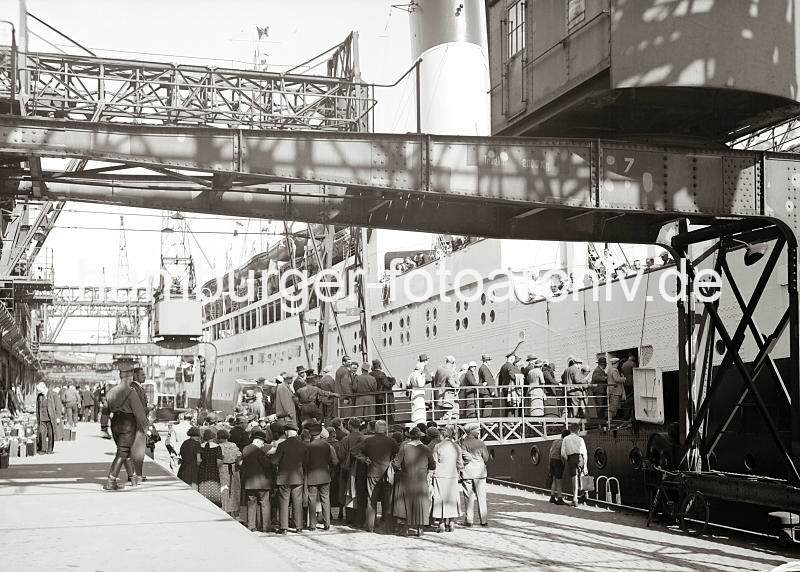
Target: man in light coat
x=475, y=455
x=285, y=400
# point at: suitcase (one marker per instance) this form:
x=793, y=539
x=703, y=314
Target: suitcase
x=72, y=434
x=30, y=446
x=13, y=447
x=3, y=459
x=23, y=450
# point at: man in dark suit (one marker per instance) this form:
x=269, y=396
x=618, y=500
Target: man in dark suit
x=328, y=404
x=377, y=452
x=321, y=456
x=257, y=482
x=384, y=399
x=45, y=417
x=290, y=456
x=348, y=471
x=487, y=381
x=87, y=403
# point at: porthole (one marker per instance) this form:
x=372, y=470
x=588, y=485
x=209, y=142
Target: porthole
x=483, y=317
x=491, y=316
x=355, y=348
x=636, y=458
x=390, y=326
x=535, y=455
x=408, y=321
x=428, y=314
x=384, y=327
x=384, y=342
x=465, y=323
x=719, y=345
x=749, y=462
x=483, y=299
x=427, y=331
x=435, y=313
x=434, y=330
x=402, y=321
x=458, y=306
x=408, y=337
x=355, y=334
x=458, y=325
x=600, y=458
x=390, y=341
x=466, y=305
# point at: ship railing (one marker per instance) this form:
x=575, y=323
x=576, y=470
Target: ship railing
x=502, y=413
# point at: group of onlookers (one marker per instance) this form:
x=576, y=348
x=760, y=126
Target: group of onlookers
x=271, y=474
x=526, y=387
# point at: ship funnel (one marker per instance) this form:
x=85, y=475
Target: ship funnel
x=450, y=38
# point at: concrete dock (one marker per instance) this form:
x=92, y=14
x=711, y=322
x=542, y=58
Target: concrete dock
x=55, y=516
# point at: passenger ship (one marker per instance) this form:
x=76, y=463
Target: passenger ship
x=259, y=338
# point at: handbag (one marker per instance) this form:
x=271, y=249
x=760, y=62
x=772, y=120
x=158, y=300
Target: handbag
x=587, y=483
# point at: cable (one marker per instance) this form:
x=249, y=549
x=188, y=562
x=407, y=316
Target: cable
x=225, y=233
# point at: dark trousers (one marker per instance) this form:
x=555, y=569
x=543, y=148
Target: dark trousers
x=46, y=437
x=88, y=414
x=378, y=490
x=71, y=415
x=258, y=502
x=104, y=418
x=295, y=493
x=324, y=492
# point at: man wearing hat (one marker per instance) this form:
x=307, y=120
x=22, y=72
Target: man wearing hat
x=300, y=378
x=423, y=359
x=285, y=400
x=599, y=389
x=475, y=456
x=343, y=385
x=489, y=386
x=320, y=459
x=364, y=388
x=377, y=453
x=290, y=455
x=529, y=361
x=257, y=481
x=507, y=377
x=384, y=399
x=616, y=388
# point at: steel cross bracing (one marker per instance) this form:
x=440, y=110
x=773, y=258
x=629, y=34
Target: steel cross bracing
x=130, y=91
x=98, y=302
x=92, y=88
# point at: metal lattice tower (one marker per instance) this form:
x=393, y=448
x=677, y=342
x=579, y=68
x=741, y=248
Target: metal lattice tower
x=127, y=319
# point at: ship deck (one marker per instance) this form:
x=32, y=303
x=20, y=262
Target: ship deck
x=58, y=499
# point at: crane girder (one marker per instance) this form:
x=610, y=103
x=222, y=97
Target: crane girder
x=485, y=186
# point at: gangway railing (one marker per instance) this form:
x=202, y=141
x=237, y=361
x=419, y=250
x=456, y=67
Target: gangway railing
x=504, y=413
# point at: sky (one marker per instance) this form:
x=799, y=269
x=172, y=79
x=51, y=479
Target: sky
x=85, y=242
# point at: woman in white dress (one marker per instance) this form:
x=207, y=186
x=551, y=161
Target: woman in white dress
x=416, y=393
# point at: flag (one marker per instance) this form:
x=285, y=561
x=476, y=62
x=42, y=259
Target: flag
x=262, y=32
